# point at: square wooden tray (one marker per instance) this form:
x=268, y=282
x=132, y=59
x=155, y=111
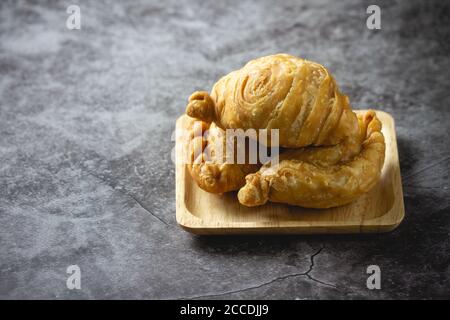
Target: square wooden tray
x=380, y=210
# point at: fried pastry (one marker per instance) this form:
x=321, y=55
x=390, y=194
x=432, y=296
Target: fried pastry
x=330, y=156
x=208, y=164
x=320, y=177
x=298, y=97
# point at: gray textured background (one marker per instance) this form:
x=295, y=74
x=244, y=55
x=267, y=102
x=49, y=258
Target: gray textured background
x=86, y=119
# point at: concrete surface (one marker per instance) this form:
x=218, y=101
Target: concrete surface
x=86, y=119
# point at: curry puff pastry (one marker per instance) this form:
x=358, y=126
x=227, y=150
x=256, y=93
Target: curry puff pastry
x=208, y=165
x=329, y=157
x=317, y=177
x=298, y=97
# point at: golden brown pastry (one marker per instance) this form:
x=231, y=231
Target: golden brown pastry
x=320, y=177
x=333, y=156
x=208, y=165
x=296, y=96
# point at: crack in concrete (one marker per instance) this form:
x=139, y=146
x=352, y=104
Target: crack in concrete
x=428, y=188
x=311, y=267
x=122, y=191
x=280, y=278
x=147, y=209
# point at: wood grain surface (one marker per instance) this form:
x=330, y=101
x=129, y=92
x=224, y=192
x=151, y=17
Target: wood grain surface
x=380, y=210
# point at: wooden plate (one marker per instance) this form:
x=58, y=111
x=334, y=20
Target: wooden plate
x=380, y=210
